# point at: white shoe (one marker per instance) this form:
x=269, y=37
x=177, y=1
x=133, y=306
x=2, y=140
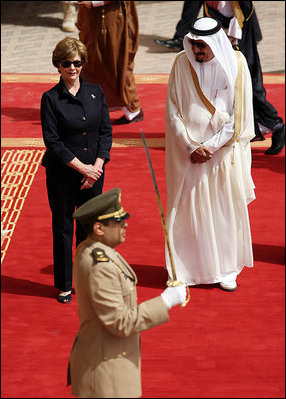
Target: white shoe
x=228, y=285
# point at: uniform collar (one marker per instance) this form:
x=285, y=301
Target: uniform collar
x=117, y=258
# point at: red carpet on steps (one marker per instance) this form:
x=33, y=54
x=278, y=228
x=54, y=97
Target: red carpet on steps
x=222, y=345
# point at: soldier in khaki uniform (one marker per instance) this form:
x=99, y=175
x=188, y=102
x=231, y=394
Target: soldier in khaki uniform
x=105, y=357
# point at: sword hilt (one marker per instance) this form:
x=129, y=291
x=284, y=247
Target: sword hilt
x=175, y=283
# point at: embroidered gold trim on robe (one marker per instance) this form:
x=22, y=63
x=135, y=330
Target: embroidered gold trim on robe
x=237, y=98
x=251, y=12
x=206, y=9
x=238, y=13
x=175, y=102
x=203, y=98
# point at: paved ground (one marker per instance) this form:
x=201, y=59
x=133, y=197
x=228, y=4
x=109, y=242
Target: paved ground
x=31, y=29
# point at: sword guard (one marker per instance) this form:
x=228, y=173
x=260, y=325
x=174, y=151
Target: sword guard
x=175, y=283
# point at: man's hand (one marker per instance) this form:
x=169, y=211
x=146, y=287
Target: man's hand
x=89, y=4
x=232, y=40
x=85, y=4
x=201, y=155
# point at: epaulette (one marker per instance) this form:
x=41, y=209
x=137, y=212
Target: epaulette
x=99, y=255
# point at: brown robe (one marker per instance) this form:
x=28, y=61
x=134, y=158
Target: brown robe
x=110, y=33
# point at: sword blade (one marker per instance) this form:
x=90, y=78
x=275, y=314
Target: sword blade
x=166, y=235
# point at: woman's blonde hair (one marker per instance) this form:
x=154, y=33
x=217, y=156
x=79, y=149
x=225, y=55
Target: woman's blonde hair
x=66, y=48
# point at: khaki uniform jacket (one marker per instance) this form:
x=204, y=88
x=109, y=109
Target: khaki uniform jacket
x=105, y=357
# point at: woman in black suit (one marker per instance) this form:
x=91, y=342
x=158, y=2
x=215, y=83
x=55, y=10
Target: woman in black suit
x=77, y=133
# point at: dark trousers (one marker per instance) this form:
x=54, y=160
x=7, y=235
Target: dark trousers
x=190, y=11
x=264, y=112
x=65, y=196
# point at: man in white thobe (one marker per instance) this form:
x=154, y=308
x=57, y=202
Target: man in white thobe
x=209, y=125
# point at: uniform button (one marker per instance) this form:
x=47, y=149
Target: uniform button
x=83, y=118
x=84, y=134
x=84, y=149
x=123, y=353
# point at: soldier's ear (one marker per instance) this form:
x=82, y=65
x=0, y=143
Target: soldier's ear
x=98, y=229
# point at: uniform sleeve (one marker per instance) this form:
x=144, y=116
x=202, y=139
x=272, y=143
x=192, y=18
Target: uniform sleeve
x=111, y=303
x=51, y=136
x=105, y=131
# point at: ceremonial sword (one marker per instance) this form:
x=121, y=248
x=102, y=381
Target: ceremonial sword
x=175, y=282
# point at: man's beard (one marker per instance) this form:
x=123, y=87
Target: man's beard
x=200, y=61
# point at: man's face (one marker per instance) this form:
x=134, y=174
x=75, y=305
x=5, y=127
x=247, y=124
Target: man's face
x=202, y=51
x=114, y=233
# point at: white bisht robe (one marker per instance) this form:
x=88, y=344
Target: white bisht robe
x=207, y=216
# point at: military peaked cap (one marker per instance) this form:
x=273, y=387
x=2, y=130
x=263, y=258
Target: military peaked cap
x=102, y=207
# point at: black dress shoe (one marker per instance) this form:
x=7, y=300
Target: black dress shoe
x=123, y=120
x=176, y=44
x=278, y=141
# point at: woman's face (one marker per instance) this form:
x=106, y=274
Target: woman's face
x=68, y=70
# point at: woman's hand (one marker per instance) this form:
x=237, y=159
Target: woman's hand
x=91, y=175
x=92, y=172
x=87, y=183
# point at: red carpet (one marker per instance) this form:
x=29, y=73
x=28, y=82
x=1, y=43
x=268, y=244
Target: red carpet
x=221, y=345
x=21, y=102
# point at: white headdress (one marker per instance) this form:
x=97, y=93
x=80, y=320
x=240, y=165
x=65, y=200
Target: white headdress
x=209, y=30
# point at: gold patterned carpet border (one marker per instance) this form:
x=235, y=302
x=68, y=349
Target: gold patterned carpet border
x=18, y=169
x=117, y=142
x=139, y=78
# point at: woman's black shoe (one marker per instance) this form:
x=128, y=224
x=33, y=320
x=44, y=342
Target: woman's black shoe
x=64, y=298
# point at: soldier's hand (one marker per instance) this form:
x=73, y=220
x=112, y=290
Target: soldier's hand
x=173, y=296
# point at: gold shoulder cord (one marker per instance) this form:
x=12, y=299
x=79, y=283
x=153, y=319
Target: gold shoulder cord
x=117, y=265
